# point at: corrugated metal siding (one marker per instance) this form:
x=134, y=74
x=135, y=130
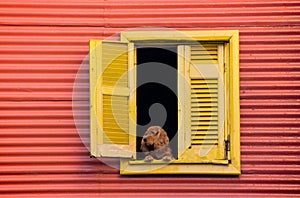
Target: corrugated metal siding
x=42, y=46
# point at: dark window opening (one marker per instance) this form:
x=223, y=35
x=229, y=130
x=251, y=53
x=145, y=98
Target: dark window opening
x=157, y=102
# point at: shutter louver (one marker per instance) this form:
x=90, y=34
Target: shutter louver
x=115, y=107
x=204, y=54
x=204, y=95
x=204, y=108
x=116, y=131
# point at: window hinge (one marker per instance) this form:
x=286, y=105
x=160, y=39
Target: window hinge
x=227, y=148
x=227, y=144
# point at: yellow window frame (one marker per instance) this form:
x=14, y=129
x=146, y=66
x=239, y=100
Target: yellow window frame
x=186, y=164
x=231, y=37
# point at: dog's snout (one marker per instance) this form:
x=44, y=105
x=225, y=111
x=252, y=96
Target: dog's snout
x=145, y=140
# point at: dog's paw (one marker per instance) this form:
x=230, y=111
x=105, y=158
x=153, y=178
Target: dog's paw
x=148, y=158
x=167, y=158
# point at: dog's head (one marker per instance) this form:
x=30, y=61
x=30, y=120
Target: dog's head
x=155, y=137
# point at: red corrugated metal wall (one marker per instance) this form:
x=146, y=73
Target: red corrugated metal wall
x=43, y=45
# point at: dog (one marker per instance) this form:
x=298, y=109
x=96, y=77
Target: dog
x=155, y=145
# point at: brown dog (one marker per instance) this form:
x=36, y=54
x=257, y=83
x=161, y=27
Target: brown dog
x=155, y=144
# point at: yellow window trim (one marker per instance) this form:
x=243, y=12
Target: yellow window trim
x=218, y=35
x=129, y=167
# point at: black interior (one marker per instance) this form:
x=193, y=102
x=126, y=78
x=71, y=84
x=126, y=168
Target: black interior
x=157, y=83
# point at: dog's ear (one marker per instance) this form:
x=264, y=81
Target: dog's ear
x=162, y=139
x=164, y=136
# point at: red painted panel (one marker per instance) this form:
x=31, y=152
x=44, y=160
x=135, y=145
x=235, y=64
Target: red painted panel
x=44, y=44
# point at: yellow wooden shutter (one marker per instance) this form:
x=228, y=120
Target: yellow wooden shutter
x=204, y=100
x=112, y=107
x=207, y=98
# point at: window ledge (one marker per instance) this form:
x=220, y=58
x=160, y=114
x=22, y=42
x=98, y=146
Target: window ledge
x=142, y=162
x=139, y=167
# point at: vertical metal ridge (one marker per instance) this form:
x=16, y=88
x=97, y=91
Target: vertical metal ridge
x=43, y=134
